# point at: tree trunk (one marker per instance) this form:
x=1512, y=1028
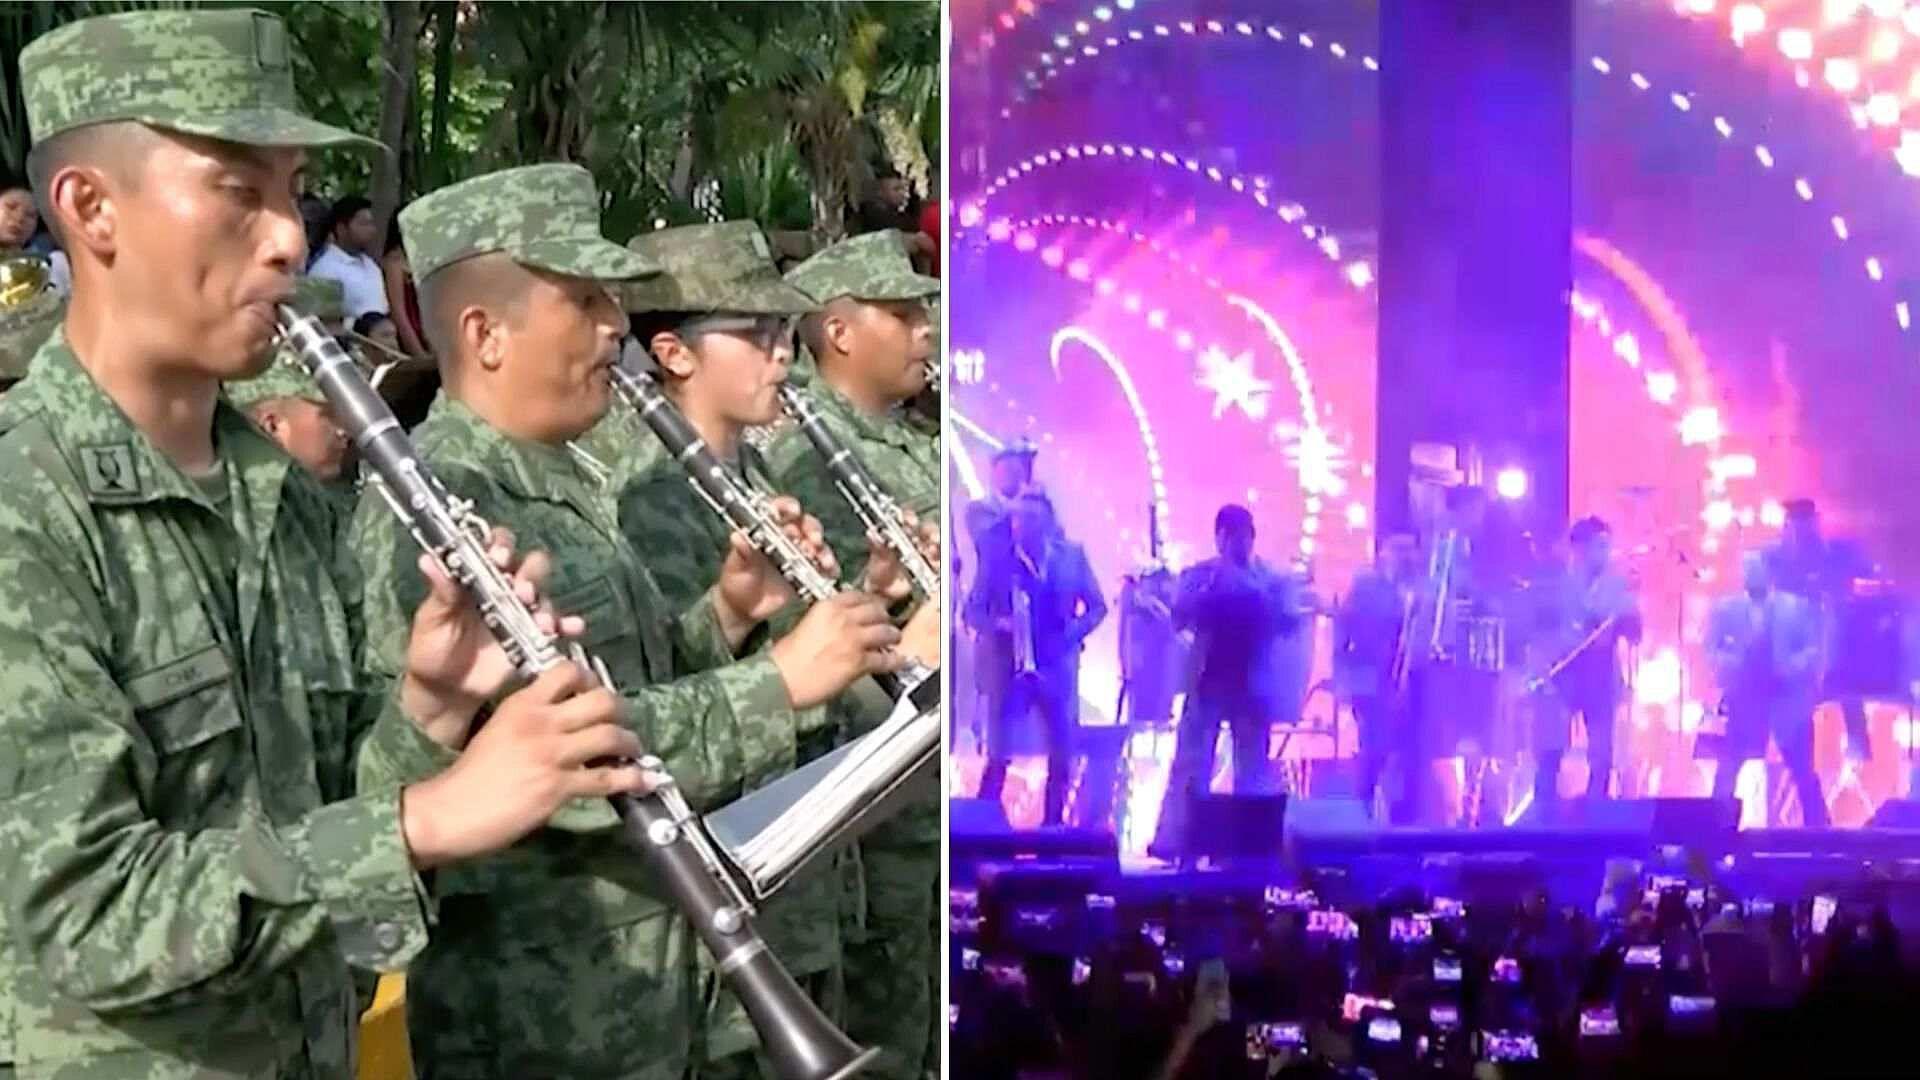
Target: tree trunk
x=438, y=172
x=680, y=183
x=399, y=71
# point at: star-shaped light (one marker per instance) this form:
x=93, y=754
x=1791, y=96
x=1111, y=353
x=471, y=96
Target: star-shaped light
x=1317, y=458
x=1233, y=383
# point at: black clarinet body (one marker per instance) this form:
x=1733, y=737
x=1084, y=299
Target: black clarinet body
x=877, y=510
x=746, y=510
x=801, y=1042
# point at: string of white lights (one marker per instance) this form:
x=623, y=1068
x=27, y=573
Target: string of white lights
x=1316, y=457
x=1255, y=189
x=1873, y=264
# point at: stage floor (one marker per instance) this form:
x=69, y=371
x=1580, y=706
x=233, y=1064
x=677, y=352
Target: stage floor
x=1313, y=763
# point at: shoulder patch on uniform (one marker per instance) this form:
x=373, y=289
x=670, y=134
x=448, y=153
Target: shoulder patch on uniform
x=109, y=470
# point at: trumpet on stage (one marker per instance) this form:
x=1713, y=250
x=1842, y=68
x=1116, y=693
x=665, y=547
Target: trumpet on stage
x=800, y=1041
x=1539, y=682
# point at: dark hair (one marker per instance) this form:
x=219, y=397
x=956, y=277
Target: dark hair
x=343, y=210
x=393, y=231
x=1800, y=509
x=368, y=320
x=643, y=327
x=1233, y=515
x=1588, y=529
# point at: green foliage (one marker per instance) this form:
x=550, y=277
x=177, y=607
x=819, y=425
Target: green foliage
x=787, y=107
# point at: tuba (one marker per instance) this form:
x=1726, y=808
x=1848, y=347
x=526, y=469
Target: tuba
x=29, y=310
x=1424, y=613
x=799, y=1039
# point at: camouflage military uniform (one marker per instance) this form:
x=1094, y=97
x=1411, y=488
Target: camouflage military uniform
x=562, y=956
x=683, y=542
x=287, y=378
x=185, y=862
x=893, y=953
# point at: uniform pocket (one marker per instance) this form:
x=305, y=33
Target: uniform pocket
x=595, y=601
x=186, y=702
x=191, y=713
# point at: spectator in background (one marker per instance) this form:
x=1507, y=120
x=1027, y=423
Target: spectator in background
x=19, y=221
x=347, y=259
x=380, y=329
x=887, y=207
x=314, y=214
x=930, y=221
x=403, y=300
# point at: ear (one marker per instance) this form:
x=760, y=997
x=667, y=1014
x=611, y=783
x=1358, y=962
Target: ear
x=269, y=419
x=837, y=331
x=88, y=211
x=673, y=354
x=483, y=337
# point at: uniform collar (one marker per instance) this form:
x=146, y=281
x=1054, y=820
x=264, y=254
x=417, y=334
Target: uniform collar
x=885, y=429
x=528, y=469
x=116, y=463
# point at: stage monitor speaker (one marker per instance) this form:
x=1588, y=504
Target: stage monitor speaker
x=1690, y=822
x=1897, y=814
x=976, y=818
x=1695, y=822
x=1236, y=826
x=979, y=830
x=1328, y=816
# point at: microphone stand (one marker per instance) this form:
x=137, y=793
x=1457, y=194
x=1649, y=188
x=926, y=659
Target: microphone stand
x=1680, y=640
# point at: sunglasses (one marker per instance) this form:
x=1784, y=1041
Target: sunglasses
x=767, y=332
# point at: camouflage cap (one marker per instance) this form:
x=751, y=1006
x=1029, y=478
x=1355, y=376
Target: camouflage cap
x=286, y=377
x=544, y=216
x=709, y=268
x=29, y=311
x=872, y=266
x=224, y=74
x=322, y=298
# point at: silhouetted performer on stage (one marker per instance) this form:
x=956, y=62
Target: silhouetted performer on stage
x=1041, y=597
x=1237, y=608
x=1765, y=646
x=989, y=524
x=1150, y=650
x=1452, y=689
x=1821, y=572
x=1581, y=616
x=1367, y=631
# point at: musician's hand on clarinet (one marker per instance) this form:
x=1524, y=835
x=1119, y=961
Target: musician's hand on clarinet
x=921, y=638
x=840, y=640
x=751, y=589
x=559, y=738
x=886, y=577
x=454, y=664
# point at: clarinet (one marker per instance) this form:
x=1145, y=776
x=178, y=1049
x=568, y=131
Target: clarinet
x=878, y=510
x=748, y=510
x=802, y=1043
